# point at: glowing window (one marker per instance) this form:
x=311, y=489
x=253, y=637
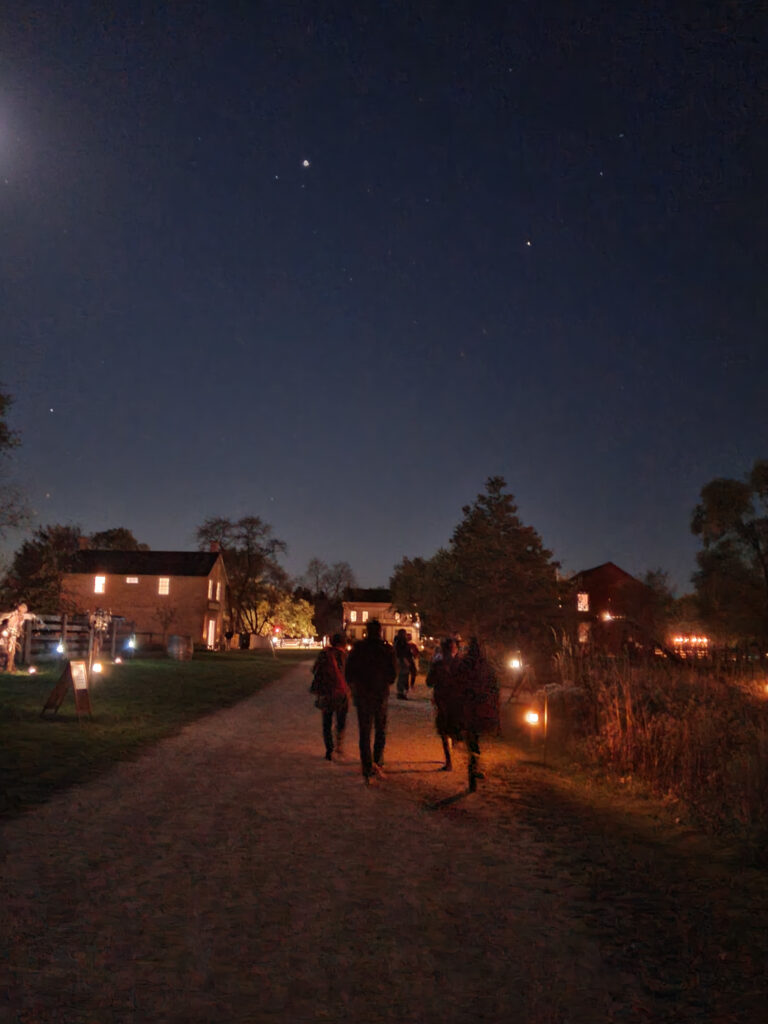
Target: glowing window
x=353, y=616
x=210, y=590
x=584, y=632
x=365, y=616
x=131, y=579
x=218, y=591
x=582, y=602
x=99, y=584
x=163, y=585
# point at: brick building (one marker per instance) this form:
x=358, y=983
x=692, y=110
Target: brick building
x=609, y=609
x=161, y=592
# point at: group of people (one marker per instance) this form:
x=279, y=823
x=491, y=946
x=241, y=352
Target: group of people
x=464, y=688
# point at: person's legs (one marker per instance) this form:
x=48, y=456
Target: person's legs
x=327, y=737
x=364, y=723
x=448, y=766
x=473, y=746
x=341, y=724
x=402, y=679
x=380, y=731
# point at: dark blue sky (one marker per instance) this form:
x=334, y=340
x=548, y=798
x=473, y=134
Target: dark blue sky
x=530, y=241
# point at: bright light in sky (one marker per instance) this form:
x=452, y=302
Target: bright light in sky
x=305, y=163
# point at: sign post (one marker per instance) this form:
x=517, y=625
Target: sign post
x=76, y=676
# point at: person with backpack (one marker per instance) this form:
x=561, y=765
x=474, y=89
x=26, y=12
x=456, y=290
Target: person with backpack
x=371, y=670
x=331, y=691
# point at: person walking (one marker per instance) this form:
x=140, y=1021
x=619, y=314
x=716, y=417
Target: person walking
x=405, y=666
x=371, y=670
x=441, y=678
x=478, y=692
x=413, y=647
x=330, y=687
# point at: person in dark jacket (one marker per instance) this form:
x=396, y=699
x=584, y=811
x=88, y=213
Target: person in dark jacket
x=405, y=664
x=479, y=695
x=371, y=670
x=329, y=684
x=448, y=709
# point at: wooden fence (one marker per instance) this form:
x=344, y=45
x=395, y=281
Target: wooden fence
x=54, y=637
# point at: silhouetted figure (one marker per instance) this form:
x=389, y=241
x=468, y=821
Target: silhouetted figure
x=479, y=694
x=405, y=664
x=371, y=670
x=446, y=697
x=329, y=684
x=414, y=649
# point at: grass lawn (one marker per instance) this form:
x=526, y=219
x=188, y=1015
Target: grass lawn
x=133, y=704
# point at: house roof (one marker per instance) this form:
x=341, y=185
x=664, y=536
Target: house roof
x=607, y=568
x=145, y=563
x=372, y=595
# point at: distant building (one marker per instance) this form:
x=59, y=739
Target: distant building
x=610, y=609
x=161, y=592
x=363, y=605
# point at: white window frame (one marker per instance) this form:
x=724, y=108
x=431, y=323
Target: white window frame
x=99, y=584
x=164, y=585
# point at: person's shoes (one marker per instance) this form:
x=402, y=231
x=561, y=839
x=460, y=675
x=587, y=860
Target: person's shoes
x=447, y=767
x=479, y=775
x=329, y=755
x=472, y=783
x=402, y=696
x=378, y=771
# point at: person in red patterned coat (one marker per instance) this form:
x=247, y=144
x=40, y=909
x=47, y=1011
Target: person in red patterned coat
x=330, y=687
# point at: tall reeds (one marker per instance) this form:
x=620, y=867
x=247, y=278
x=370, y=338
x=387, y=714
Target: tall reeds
x=697, y=733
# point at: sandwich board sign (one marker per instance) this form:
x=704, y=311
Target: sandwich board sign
x=75, y=674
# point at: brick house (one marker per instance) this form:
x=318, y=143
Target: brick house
x=161, y=592
x=363, y=605
x=610, y=609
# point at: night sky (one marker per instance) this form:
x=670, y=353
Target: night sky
x=334, y=264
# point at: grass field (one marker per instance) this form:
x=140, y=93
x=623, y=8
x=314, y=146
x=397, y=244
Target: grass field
x=134, y=704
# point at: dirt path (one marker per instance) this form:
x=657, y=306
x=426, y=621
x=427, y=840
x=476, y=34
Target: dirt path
x=232, y=875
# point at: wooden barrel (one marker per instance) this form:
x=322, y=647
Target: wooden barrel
x=180, y=647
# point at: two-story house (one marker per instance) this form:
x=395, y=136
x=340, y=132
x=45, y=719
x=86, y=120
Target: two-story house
x=161, y=592
x=363, y=605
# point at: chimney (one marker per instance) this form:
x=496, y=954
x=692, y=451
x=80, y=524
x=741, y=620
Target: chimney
x=83, y=543
x=215, y=546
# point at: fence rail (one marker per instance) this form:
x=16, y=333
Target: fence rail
x=54, y=637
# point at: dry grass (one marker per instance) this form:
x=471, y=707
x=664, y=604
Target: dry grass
x=698, y=734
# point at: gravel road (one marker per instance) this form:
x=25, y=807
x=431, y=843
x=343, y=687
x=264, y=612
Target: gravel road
x=231, y=874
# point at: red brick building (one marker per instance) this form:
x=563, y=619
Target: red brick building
x=608, y=608
x=161, y=592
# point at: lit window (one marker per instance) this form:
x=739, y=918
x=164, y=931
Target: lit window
x=584, y=632
x=397, y=616
x=163, y=585
x=218, y=591
x=365, y=616
x=210, y=590
x=582, y=602
x=99, y=584
x=353, y=616
x=131, y=579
